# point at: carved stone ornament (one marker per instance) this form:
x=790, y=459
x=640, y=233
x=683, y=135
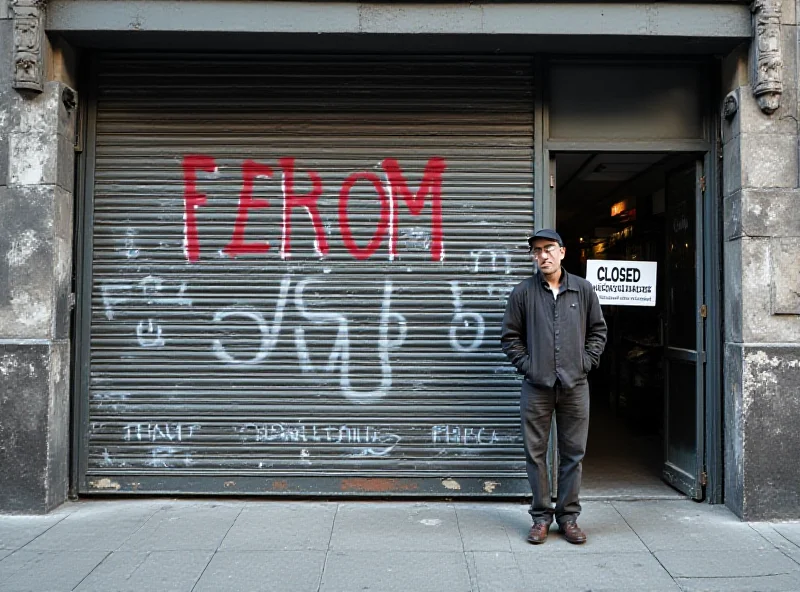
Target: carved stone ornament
x=768, y=82
x=28, y=60
x=730, y=106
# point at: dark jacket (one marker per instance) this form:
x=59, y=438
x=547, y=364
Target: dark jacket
x=550, y=338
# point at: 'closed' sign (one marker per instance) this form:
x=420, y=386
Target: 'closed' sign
x=624, y=283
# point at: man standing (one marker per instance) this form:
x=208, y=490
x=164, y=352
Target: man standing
x=554, y=333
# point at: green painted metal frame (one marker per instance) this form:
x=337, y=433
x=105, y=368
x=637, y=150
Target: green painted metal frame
x=709, y=147
x=83, y=263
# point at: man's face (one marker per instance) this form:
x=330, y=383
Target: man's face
x=547, y=254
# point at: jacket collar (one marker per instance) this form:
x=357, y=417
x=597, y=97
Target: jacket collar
x=565, y=283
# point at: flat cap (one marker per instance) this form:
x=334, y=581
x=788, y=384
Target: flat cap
x=547, y=234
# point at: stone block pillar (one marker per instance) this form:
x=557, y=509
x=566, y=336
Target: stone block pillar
x=37, y=131
x=761, y=384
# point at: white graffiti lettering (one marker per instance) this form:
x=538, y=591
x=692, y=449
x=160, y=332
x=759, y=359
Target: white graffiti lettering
x=464, y=320
x=110, y=301
x=380, y=443
x=167, y=457
x=465, y=435
x=340, y=352
x=269, y=332
x=160, y=456
x=341, y=344
x=500, y=291
x=466, y=331
x=150, y=290
x=491, y=256
x=159, y=432
x=128, y=244
x=149, y=334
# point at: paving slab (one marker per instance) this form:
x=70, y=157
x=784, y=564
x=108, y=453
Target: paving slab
x=606, y=532
x=726, y=564
x=396, y=527
x=485, y=527
x=184, y=527
x=496, y=572
x=777, y=540
x=65, y=509
x=472, y=571
x=789, y=530
x=101, y=528
x=134, y=571
x=263, y=571
x=606, y=572
x=47, y=571
x=18, y=531
x=779, y=583
x=398, y=571
x=517, y=523
x=281, y=526
x=681, y=525
x=163, y=544
x=145, y=505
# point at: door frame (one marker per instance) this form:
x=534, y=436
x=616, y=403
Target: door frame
x=711, y=150
x=692, y=484
x=83, y=256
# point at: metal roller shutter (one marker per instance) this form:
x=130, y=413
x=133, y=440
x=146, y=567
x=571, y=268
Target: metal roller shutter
x=299, y=271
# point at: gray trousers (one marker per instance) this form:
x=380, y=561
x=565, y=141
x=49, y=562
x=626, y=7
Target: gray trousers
x=537, y=405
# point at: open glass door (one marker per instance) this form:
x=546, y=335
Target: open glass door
x=684, y=358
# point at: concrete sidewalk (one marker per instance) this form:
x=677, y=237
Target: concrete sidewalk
x=239, y=545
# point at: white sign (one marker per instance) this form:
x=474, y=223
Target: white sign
x=624, y=283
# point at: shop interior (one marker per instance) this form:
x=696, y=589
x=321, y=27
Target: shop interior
x=612, y=206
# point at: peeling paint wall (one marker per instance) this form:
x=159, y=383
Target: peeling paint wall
x=36, y=212
x=770, y=411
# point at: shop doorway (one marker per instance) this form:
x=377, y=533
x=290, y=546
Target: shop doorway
x=647, y=426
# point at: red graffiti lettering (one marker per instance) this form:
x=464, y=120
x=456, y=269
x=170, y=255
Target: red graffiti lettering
x=309, y=202
x=192, y=200
x=344, y=220
x=431, y=184
x=250, y=171
x=389, y=197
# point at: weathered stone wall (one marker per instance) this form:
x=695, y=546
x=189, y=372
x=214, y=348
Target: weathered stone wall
x=37, y=133
x=762, y=290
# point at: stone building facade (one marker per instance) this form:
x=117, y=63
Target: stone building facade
x=46, y=53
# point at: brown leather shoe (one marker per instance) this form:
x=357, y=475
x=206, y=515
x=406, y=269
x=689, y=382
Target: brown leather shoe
x=538, y=533
x=573, y=533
